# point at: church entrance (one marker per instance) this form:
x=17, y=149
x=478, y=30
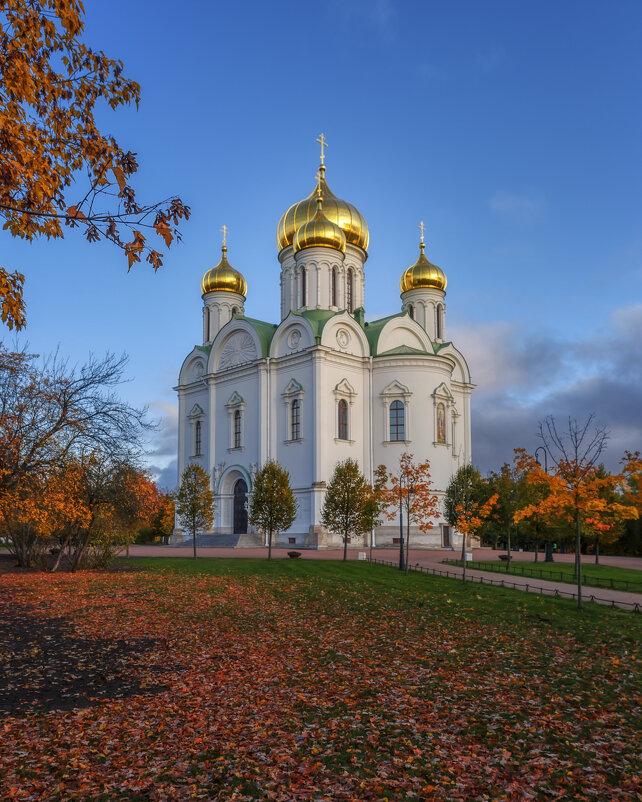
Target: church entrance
x=240, y=510
x=446, y=536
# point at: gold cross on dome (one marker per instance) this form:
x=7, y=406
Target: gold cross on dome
x=225, y=231
x=422, y=228
x=324, y=144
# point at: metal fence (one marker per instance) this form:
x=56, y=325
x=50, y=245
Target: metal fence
x=635, y=607
x=547, y=573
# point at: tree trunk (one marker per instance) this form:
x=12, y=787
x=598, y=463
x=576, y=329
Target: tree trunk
x=463, y=551
x=64, y=546
x=578, y=560
x=80, y=551
x=508, y=551
x=270, y=545
x=597, y=551
x=345, y=546
x=536, y=550
x=408, y=542
x=194, y=540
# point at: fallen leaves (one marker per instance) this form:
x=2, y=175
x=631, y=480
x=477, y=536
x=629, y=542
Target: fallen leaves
x=298, y=688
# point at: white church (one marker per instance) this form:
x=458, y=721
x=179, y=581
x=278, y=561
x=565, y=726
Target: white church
x=324, y=383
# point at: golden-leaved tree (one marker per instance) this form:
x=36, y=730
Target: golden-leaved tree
x=408, y=492
x=58, y=170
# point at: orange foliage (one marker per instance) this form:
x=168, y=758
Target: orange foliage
x=51, y=83
x=412, y=487
x=470, y=519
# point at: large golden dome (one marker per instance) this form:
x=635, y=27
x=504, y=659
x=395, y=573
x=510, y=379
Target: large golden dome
x=319, y=232
x=224, y=277
x=337, y=211
x=423, y=275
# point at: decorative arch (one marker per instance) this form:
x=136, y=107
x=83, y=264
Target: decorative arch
x=294, y=334
x=342, y=333
x=237, y=343
x=401, y=332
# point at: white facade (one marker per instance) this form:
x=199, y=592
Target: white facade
x=321, y=386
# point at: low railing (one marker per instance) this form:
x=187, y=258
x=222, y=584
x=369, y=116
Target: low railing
x=546, y=573
x=635, y=607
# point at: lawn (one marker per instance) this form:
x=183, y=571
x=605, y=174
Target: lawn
x=599, y=576
x=295, y=680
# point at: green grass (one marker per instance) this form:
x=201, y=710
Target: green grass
x=597, y=576
x=512, y=606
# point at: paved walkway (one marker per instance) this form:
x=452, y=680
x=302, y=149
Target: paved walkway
x=432, y=560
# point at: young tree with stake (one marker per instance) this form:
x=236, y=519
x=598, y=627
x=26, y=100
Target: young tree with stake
x=195, y=501
x=347, y=507
x=273, y=506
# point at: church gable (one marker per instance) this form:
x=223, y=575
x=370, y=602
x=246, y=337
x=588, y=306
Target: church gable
x=294, y=334
x=236, y=347
x=343, y=334
x=403, y=333
x=196, y=411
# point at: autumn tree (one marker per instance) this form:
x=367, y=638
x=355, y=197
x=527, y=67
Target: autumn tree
x=195, y=501
x=631, y=540
x=51, y=410
x=506, y=484
x=409, y=492
x=531, y=491
x=469, y=517
x=574, y=487
x=466, y=491
x=347, y=507
x=58, y=170
x=273, y=506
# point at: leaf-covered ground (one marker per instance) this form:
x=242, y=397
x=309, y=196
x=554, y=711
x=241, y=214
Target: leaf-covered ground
x=311, y=681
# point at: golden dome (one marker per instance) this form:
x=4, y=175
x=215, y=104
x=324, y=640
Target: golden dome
x=224, y=277
x=337, y=211
x=423, y=274
x=319, y=231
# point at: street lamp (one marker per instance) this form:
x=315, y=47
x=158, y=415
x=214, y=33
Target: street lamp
x=411, y=490
x=401, y=561
x=548, y=546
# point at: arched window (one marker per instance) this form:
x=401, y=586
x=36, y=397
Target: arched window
x=441, y=423
x=397, y=421
x=349, y=291
x=235, y=310
x=440, y=321
x=411, y=312
x=207, y=323
x=342, y=419
x=237, y=428
x=304, y=288
x=296, y=420
x=333, y=287
x=197, y=439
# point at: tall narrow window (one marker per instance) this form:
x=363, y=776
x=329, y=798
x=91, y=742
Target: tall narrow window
x=349, y=291
x=441, y=423
x=304, y=288
x=296, y=420
x=411, y=312
x=397, y=421
x=342, y=419
x=440, y=321
x=197, y=439
x=333, y=287
x=237, y=428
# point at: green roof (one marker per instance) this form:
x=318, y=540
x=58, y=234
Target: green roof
x=402, y=349
x=205, y=348
x=264, y=330
x=317, y=318
x=373, y=330
x=436, y=347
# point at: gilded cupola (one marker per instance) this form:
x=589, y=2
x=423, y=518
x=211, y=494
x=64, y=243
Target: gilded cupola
x=423, y=274
x=224, y=277
x=343, y=214
x=319, y=231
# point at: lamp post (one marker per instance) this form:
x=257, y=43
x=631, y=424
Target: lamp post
x=401, y=561
x=548, y=546
x=411, y=490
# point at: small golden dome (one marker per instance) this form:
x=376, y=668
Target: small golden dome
x=423, y=274
x=224, y=277
x=319, y=232
x=337, y=211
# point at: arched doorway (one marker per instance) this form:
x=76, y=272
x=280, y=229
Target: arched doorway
x=240, y=510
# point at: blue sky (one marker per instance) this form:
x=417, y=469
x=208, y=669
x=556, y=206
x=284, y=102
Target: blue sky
x=513, y=130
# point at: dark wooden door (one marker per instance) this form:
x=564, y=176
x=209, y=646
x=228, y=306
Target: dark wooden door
x=446, y=536
x=240, y=511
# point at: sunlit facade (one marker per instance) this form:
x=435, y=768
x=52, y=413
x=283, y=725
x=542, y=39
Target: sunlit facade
x=323, y=384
